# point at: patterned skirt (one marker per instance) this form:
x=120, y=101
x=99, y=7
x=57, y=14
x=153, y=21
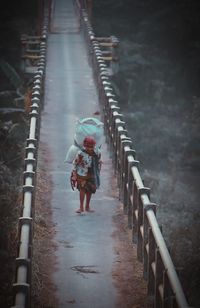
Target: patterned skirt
x=87, y=183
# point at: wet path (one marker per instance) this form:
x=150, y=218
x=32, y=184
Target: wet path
x=85, y=253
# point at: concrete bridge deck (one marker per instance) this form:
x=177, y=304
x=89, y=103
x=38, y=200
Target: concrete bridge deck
x=86, y=253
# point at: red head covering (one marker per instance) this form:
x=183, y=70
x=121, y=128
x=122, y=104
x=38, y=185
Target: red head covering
x=89, y=142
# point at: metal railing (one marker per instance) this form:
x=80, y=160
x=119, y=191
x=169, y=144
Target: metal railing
x=22, y=285
x=158, y=269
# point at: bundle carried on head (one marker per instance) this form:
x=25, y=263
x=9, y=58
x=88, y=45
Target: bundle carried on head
x=87, y=127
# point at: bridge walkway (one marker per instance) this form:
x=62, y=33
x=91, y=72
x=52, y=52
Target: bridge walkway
x=85, y=253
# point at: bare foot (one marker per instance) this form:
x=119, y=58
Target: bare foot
x=79, y=211
x=89, y=210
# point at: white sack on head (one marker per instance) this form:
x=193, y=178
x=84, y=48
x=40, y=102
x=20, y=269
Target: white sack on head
x=89, y=127
x=71, y=153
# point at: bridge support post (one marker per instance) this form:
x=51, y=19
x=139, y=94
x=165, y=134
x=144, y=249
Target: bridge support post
x=150, y=206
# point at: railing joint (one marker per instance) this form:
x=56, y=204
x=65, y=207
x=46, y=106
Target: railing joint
x=34, y=113
x=131, y=152
x=125, y=139
x=150, y=206
x=30, y=161
x=23, y=261
x=25, y=221
x=28, y=188
x=31, y=140
x=119, y=122
x=34, y=107
x=114, y=107
x=134, y=162
x=36, y=93
x=35, y=100
x=30, y=174
x=144, y=190
x=30, y=150
x=21, y=287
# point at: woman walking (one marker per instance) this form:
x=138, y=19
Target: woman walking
x=86, y=173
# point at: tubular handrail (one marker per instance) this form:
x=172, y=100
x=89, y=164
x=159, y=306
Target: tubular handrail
x=166, y=259
x=159, y=271
x=22, y=285
x=161, y=243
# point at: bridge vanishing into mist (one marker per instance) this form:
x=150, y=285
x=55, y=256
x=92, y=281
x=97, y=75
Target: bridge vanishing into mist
x=73, y=76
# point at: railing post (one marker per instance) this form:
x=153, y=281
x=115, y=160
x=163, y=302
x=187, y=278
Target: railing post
x=121, y=162
x=117, y=123
x=150, y=206
x=140, y=226
x=128, y=152
x=135, y=212
x=158, y=280
x=167, y=293
x=129, y=188
x=112, y=109
x=151, y=263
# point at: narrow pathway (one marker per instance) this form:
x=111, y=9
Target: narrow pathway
x=85, y=243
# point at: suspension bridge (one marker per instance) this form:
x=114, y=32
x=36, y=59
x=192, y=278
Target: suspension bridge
x=72, y=70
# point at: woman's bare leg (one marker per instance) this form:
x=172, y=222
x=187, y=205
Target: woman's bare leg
x=82, y=197
x=88, y=198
